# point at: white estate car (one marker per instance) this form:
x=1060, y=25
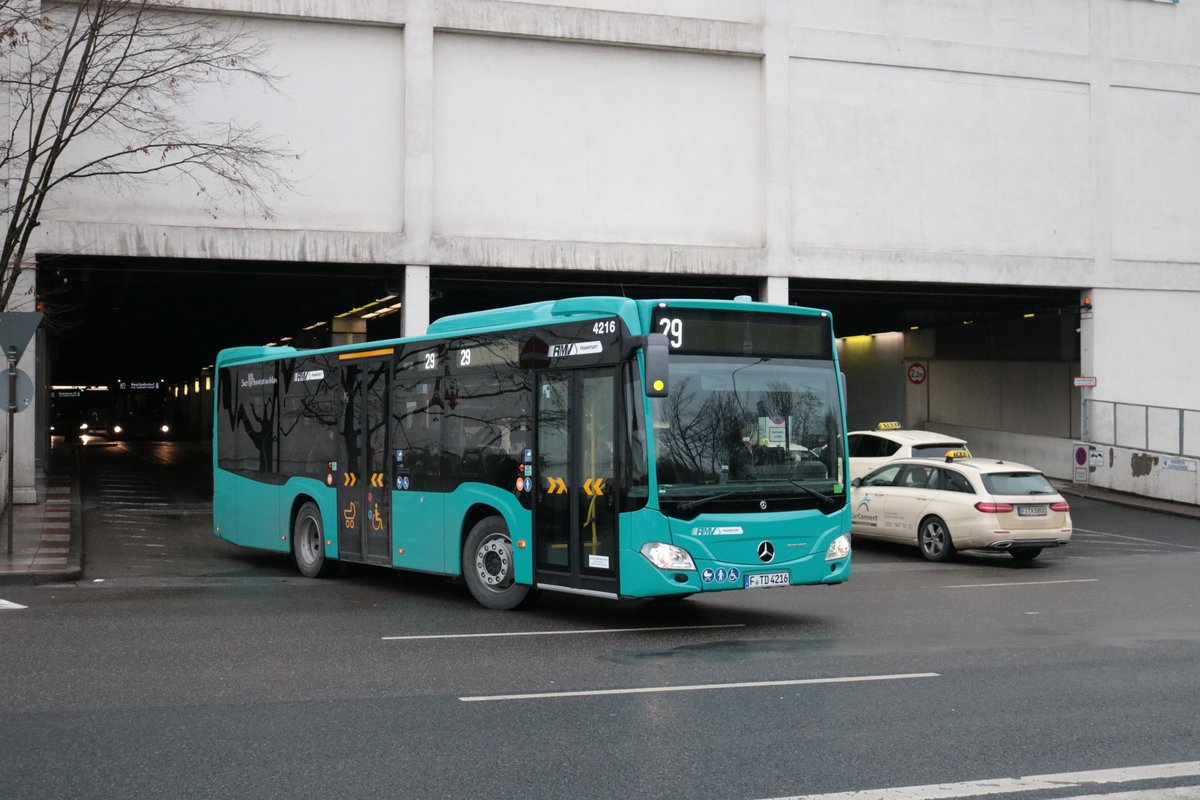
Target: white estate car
x=944, y=505
x=871, y=449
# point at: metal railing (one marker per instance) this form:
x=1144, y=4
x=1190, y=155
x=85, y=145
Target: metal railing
x=1174, y=431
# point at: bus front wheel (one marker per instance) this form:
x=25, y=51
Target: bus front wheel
x=488, y=566
x=308, y=543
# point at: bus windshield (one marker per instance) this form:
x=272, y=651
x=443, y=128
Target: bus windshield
x=747, y=425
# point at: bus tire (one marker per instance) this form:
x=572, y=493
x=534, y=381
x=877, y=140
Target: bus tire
x=487, y=564
x=933, y=537
x=308, y=544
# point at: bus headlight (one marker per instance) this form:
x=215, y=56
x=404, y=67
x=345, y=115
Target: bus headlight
x=117, y=429
x=165, y=429
x=667, y=556
x=838, y=548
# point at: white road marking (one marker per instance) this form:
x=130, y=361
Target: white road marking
x=700, y=687
x=556, y=633
x=1016, y=583
x=1135, y=539
x=1062, y=780
x=9, y=605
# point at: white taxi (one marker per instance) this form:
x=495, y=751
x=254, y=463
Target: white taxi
x=871, y=449
x=945, y=505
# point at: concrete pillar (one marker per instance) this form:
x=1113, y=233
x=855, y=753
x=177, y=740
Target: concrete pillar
x=24, y=445
x=774, y=290
x=1087, y=358
x=777, y=83
x=414, y=314
x=418, y=131
x=418, y=163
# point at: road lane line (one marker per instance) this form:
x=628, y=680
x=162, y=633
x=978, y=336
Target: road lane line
x=9, y=605
x=699, y=687
x=1136, y=539
x=1016, y=583
x=556, y=633
x=1061, y=780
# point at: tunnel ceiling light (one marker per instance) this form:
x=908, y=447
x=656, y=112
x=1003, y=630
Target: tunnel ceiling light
x=1028, y=316
x=383, y=312
x=358, y=310
x=316, y=325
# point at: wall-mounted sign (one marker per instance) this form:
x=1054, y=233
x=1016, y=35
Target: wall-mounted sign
x=1084, y=381
x=917, y=372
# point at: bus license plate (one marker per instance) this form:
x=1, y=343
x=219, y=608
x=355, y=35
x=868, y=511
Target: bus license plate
x=768, y=580
x=1031, y=511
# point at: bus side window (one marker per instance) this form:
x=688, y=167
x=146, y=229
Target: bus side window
x=417, y=417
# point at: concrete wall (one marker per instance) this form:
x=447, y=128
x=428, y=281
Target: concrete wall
x=582, y=142
x=1029, y=397
x=875, y=383
x=1147, y=473
x=342, y=114
x=1142, y=347
x=1050, y=454
x=1150, y=474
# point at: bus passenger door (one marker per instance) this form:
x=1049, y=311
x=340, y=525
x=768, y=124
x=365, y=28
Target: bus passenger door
x=363, y=486
x=575, y=510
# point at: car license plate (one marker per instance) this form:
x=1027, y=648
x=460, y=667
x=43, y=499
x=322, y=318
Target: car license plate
x=1031, y=511
x=768, y=580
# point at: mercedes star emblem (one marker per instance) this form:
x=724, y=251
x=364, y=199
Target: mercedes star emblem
x=766, y=552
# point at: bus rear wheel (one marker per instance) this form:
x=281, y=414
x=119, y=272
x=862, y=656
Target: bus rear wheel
x=308, y=544
x=487, y=563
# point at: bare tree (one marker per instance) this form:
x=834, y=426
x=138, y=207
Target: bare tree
x=99, y=90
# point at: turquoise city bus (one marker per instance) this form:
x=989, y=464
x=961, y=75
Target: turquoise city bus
x=596, y=445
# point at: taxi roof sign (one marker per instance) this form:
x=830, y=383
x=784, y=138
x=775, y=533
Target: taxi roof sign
x=953, y=454
x=888, y=426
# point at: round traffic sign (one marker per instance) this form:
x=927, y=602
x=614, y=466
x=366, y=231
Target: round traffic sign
x=24, y=394
x=1081, y=456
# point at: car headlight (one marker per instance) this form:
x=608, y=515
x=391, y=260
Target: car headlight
x=165, y=429
x=667, y=556
x=117, y=429
x=838, y=548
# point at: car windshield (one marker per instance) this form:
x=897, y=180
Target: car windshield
x=747, y=425
x=1017, y=483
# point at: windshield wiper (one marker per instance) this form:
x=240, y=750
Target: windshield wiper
x=699, y=501
x=826, y=500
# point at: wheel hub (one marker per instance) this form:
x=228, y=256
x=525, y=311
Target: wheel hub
x=492, y=562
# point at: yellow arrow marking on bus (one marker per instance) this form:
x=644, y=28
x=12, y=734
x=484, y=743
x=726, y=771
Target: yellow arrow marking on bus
x=557, y=486
x=350, y=480
x=594, y=486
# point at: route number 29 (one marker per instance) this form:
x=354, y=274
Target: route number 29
x=673, y=330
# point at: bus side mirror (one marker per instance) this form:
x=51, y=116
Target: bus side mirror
x=658, y=381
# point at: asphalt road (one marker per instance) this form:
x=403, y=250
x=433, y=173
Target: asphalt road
x=182, y=666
